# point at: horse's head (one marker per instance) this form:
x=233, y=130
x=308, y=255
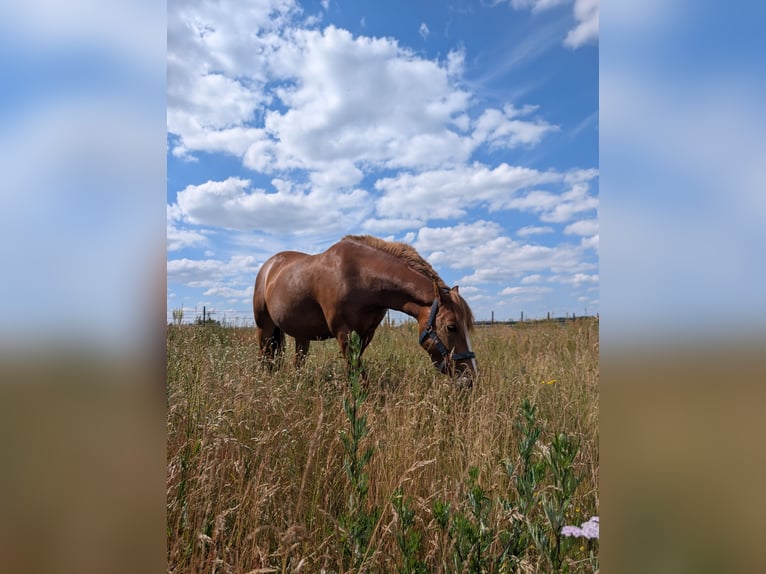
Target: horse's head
x=444, y=335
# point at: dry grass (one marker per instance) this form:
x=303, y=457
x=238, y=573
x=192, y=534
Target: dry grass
x=255, y=461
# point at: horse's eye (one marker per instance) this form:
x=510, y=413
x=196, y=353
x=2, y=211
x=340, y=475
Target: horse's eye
x=452, y=328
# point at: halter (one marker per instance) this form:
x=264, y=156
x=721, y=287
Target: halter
x=430, y=332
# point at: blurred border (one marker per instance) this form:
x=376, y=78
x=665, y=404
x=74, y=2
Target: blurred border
x=82, y=246
x=683, y=326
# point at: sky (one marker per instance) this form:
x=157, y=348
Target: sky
x=466, y=129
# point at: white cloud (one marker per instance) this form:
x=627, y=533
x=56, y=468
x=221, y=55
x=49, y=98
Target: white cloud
x=525, y=294
x=537, y=289
x=586, y=31
x=503, y=259
x=423, y=30
x=233, y=204
x=211, y=273
x=391, y=225
x=438, y=241
x=536, y=278
x=555, y=208
x=590, y=242
x=362, y=99
x=586, y=13
x=537, y=5
x=494, y=257
x=505, y=129
x=213, y=101
x=582, y=227
x=323, y=101
x=450, y=192
x=230, y=293
x=181, y=238
x=578, y=279
x=214, y=84
x=534, y=230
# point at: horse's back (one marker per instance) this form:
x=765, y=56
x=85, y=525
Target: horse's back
x=284, y=295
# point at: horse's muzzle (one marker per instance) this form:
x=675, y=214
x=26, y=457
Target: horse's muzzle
x=460, y=369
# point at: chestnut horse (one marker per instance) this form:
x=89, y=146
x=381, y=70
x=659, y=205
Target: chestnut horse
x=348, y=288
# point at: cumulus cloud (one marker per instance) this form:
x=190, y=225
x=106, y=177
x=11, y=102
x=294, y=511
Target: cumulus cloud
x=525, y=294
x=181, y=238
x=585, y=12
x=209, y=273
x=536, y=278
x=505, y=128
x=363, y=99
x=586, y=31
x=450, y=192
x=537, y=5
x=525, y=290
x=313, y=98
x=582, y=227
x=233, y=204
x=438, y=241
x=341, y=98
x=495, y=257
x=391, y=225
x=555, y=208
x=578, y=279
x=534, y=230
x=590, y=242
x=230, y=293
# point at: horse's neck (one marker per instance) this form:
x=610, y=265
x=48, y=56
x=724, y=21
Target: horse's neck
x=406, y=290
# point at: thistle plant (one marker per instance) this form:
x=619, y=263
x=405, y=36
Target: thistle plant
x=526, y=475
x=469, y=530
x=357, y=523
x=408, y=538
x=560, y=459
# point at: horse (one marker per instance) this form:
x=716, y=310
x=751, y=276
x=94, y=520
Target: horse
x=349, y=287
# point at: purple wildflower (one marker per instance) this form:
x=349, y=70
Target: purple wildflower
x=586, y=530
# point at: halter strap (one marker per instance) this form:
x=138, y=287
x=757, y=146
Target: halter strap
x=430, y=332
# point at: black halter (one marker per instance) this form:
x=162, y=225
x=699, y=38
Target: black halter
x=430, y=332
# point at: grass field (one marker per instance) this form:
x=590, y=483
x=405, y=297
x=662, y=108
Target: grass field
x=260, y=478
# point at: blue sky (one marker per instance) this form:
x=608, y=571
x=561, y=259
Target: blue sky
x=468, y=129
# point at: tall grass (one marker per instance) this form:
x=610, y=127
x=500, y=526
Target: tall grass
x=256, y=477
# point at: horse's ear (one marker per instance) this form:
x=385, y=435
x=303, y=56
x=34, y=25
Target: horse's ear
x=455, y=289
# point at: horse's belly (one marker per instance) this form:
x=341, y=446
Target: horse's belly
x=305, y=320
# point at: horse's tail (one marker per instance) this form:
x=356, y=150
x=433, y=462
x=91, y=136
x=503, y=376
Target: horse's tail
x=270, y=337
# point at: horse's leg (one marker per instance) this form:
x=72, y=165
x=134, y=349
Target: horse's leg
x=271, y=340
x=301, y=350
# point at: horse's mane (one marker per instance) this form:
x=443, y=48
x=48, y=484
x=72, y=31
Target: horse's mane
x=416, y=262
